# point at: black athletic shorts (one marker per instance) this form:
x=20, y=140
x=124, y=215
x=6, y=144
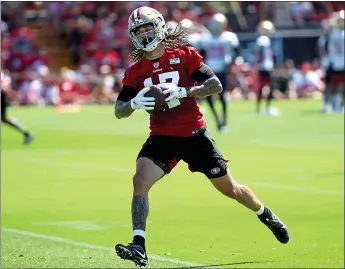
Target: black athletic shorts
x=266, y=78
x=200, y=152
x=3, y=104
x=328, y=76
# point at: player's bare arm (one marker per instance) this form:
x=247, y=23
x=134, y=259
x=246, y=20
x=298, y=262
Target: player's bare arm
x=209, y=83
x=123, y=109
x=209, y=87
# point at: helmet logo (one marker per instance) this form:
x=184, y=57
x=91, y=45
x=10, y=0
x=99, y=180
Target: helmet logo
x=136, y=15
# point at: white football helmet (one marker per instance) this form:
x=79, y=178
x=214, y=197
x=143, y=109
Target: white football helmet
x=266, y=28
x=171, y=26
x=147, y=41
x=217, y=24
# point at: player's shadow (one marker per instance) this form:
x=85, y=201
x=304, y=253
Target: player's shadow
x=224, y=264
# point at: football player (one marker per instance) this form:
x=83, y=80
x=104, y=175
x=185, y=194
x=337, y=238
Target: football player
x=325, y=63
x=265, y=63
x=178, y=133
x=336, y=57
x=6, y=89
x=196, y=32
x=220, y=49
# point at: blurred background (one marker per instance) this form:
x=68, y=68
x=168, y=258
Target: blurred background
x=49, y=47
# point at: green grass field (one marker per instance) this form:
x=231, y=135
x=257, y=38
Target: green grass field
x=66, y=197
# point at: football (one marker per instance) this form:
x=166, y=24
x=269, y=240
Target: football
x=160, y=103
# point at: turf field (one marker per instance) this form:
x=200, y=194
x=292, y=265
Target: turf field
x=66, y=197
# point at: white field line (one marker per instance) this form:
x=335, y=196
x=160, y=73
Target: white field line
x=124, y=170
x=92, y=246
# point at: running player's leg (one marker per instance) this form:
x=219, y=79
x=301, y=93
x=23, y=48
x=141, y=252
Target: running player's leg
x=258, y=99
x=341, y=91
x=210, y=102
x=210, y=162
x=153, y=163
x=327, y=106
x=13, y=122
x=338, y=95
x=260, y=91
x=245, y=196
x=272, y=84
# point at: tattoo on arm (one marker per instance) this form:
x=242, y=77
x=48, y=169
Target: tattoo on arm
x=140, y=211
x=210, y=86
x=123, y=109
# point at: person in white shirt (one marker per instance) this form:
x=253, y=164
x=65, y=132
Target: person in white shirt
x=265, y=64
x=220, y=49
x=322, y=45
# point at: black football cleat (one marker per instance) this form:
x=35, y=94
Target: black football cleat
x=134, y=253
x=277, y=227
x=28, y=138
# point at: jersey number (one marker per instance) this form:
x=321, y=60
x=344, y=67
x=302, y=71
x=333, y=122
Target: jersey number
x=174, y=76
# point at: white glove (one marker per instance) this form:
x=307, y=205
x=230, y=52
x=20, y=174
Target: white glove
x=140, y=101
x=173, y=90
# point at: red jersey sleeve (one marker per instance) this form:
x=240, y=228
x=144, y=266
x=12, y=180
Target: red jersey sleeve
x=129, y=78
x=194, y=59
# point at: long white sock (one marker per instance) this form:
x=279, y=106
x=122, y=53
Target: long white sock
x=139, y=232
x=261, y=210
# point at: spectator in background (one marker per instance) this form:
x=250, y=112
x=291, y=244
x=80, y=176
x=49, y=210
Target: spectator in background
x=51, y=90
x=316, y=67
x=301, y=12
x=96, y=33
x=306, y=82
x=290, y=67
x=68, y=90
x=31, y=90
x=107, y=81
x=239, y=79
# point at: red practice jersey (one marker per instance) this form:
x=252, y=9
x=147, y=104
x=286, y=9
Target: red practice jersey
x=175, y=66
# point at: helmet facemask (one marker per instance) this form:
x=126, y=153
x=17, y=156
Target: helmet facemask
x=146, y=40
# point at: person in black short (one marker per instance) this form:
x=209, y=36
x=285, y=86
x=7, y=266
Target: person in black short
x=179, y=132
